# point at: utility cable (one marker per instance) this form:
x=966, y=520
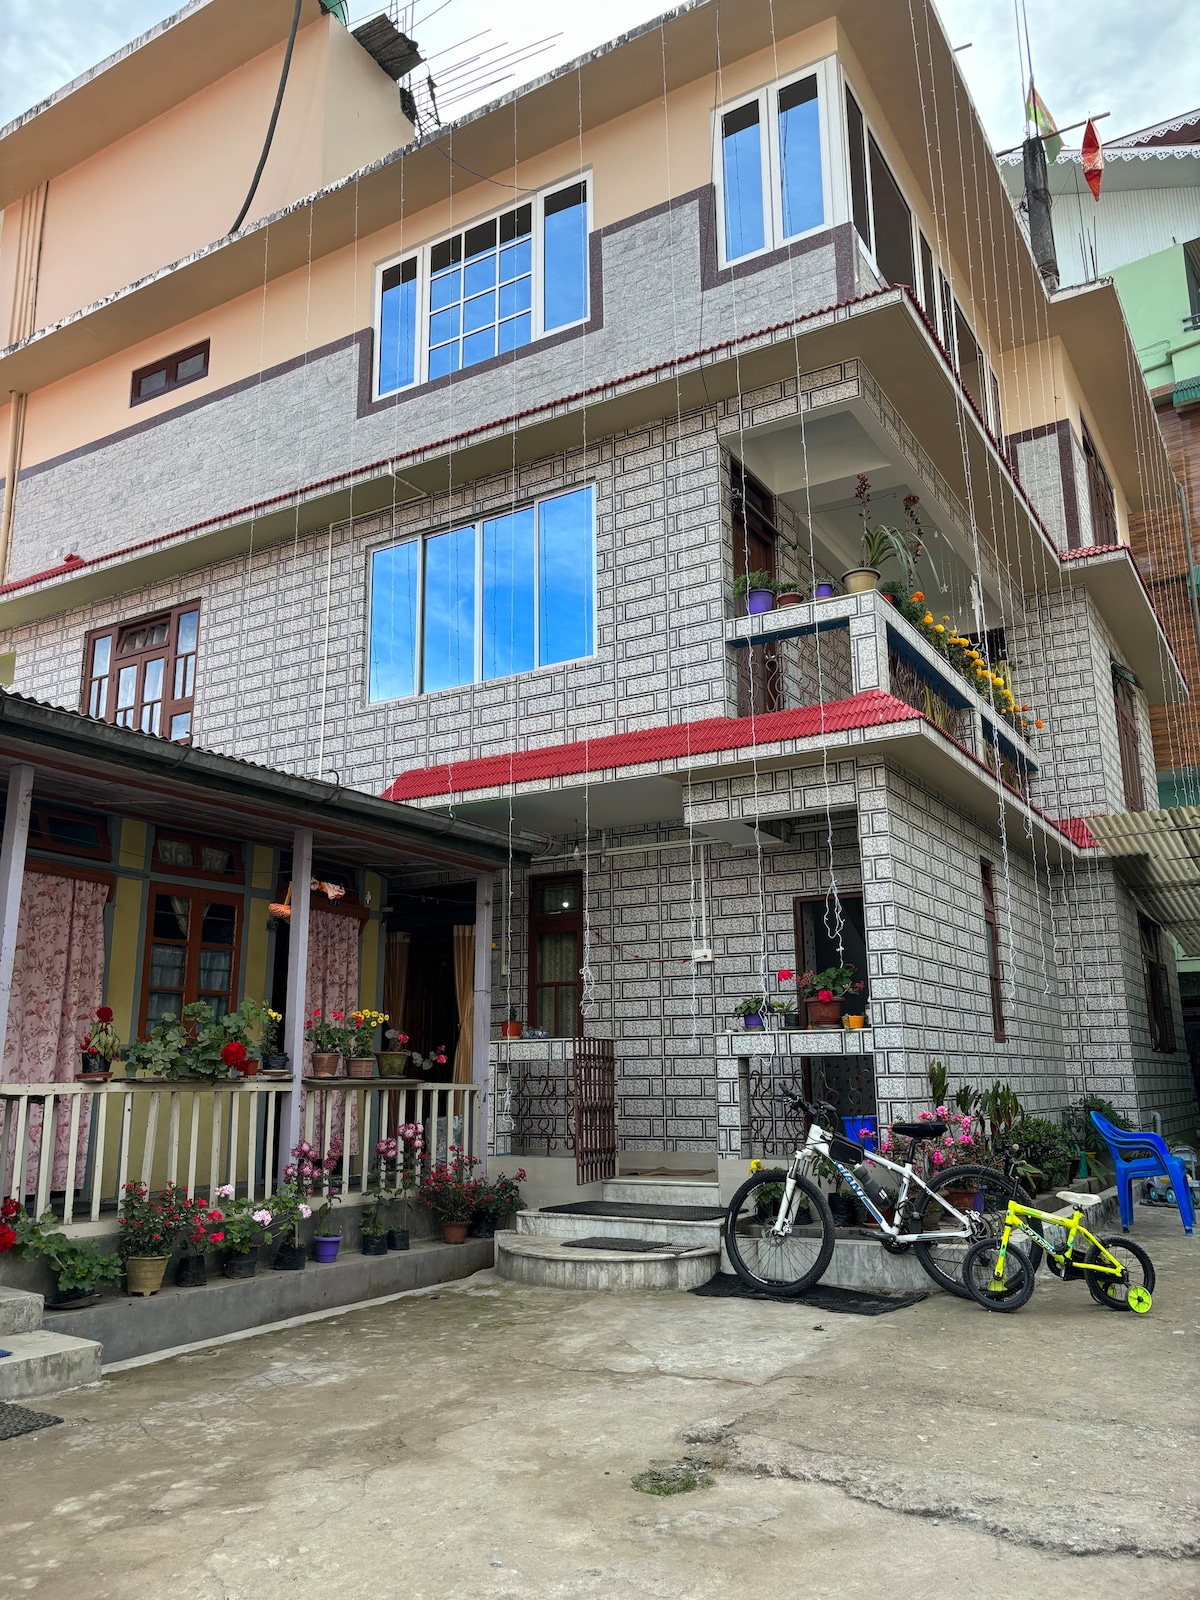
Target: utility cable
x=266, y=149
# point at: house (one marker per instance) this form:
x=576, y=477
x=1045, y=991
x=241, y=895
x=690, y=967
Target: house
x=433, y=482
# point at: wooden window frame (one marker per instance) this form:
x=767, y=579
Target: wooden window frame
x=170, y=365
x=992, y=933
x=1129, y=740
x=172, y=836
x=41, y=811
x=1159, y=1013
x=192, y=965
x=1100, y=492
x=554, y=922
x=171, y=705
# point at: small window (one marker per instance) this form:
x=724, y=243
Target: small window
x=771, y=168
x=994, y=969
x=1159, y=1010
x=556, y=955
x=69, y=833
x=186, y=366
x=857, y=150
x=1100, y=492
x=949, y=340
x=742, y=175
x=191, y=952
x=197, y=857
x=143, y=674
x=928, y=282
x=1128, y=741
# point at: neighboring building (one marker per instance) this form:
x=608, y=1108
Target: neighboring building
x=436, y=479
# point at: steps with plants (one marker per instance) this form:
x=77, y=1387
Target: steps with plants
x=39, y=1361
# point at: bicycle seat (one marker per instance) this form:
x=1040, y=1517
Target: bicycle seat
x=1083, y=1201
x=919, y=1130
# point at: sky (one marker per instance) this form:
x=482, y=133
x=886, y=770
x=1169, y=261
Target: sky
x=1139, y=62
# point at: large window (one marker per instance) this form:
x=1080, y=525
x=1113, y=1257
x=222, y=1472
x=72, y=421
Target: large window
x=771, y=167
x=880, y=211
x=484, y=600
x=492, y=288
x=1100, y=492
x=1158, y=989
x=556, y=955
x=1128, y=742
x=143, y=674
x=192, y=950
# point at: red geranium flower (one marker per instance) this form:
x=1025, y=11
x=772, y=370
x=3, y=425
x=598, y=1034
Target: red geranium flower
x=8, y=1238
x=104, y=1014
x=824, y=994
x=234, y=1053
x=786, y=975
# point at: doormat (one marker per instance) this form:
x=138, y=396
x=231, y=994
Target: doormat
x=626, y=1208
x=16, y=1420
x=850, y=1302
x=639, y=1245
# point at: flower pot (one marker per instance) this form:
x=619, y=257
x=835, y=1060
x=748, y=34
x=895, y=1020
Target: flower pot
x=790, y=1020
x=789, y=597
x=824, y=1013
x=247, y=1069
x=325, y=1064
x=963, y=1199
x=190, y=1273
x=758, y=601
x=73, y=1299
x=290, y=1258
x=753, y=1019
x=823, y=591
x=360, y=1067
x=392, y=1063
x=276, y=1063
x=374, y=1244
x=843, y=1210
x=397, y=1238
x=510, y=1030
x=454, y=1232
x=326, y=1246
x=854, y=1022
x=860, y=580
x=240, y=1266
x=144, y=1274
x=482, y=1228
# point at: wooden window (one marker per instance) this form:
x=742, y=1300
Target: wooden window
x=556, y=955
x=1158, y=989
x=192, y=949
x=760, y=682
x=73, y=833
x=1100, y=493
x=194, y=857
x=1125, y=701
x=993, y=950
x=160, y=377
x=143, y=674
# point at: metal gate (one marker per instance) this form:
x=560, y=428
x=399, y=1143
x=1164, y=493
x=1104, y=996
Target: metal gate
x=595, y=1085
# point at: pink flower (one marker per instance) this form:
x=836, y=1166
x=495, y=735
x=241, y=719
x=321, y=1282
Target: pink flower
x=786, y=975
x=942, y=1112
x=289, y=1172
x=306, y=1211
x=225, y=1191
x=262, y=1218
x=216, y=1238
x=216, y=1216
x=939, y=1159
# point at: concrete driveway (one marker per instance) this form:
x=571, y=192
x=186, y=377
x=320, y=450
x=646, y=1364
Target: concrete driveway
x=480, y=1440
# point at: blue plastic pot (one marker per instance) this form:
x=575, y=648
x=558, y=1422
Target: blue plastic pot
x=753, y=1020
x=759, y=600
x=824, y=591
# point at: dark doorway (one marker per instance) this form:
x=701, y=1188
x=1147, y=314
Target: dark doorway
x=816, y=944
x=429, y=917
x=754, y=535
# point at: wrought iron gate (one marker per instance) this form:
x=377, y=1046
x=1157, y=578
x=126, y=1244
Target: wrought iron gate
x=595, y=1094
x=772, y=1124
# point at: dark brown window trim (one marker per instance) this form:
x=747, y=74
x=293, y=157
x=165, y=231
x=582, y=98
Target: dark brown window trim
x=193, y=944
x=103, y=705
x=554, y=922
x=1128, y=741
x=236, y=874
x=1159, y=1013
x=992, y=933
x=40, y=816
x=169, y=367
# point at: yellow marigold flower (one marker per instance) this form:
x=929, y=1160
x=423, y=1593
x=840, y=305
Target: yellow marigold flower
x=755, y=1166
x=938, y=628
x=927, y=619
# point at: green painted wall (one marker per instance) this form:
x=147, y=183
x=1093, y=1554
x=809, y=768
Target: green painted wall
x=1154, y=295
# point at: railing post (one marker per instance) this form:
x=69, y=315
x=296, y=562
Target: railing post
x=302, y=843
x=12, y=874
x=480, y=1048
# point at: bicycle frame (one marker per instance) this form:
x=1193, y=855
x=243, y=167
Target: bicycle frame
x=1017, y=1219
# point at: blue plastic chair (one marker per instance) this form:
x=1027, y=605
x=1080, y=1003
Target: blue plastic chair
x=1144, y=1155
x=856, y=1126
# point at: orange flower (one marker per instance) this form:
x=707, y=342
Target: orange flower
x=1039, y=723
x=918, y=596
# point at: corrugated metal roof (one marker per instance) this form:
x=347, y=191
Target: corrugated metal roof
x=1158, y=857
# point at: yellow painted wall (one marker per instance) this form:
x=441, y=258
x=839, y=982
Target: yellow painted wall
x=124, y=969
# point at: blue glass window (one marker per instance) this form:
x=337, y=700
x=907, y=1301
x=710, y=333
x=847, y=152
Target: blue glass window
x=480, y=291
x=741, y=167
x=507, y=594
x=392, y=663
x=800, y=157
x=449, y=609
x=565, y=577
x=566, y=283
x=398, y=327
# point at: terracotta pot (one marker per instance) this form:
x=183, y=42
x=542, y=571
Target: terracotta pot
x=392, y=1063
x=860, y=580
x=454, y=1232
x=960, y=1199
x=789, y=597
x=824, y=1013
x=144, y=1274
x=360, y=1067
x=510, y=1030
x=246, y=1069
x=325, y=1064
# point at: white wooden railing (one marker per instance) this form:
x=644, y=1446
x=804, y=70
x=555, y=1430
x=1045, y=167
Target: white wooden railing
x=78, y=1144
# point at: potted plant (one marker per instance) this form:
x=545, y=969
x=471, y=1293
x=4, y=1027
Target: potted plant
x=786, y=1010
x=512, y=1028
x=78, y=1265
x=150, y=1226
x=361, y=1025
x=274, y=1060
x=162, y=1053
x=314, y=1174
x=244, y=1223
x=393, y=1062
x=879, y=544
x=289, y=1209
x=399, y=1163
x=824, y=992
x=786, y=594
x=330, y=1039
x=450, y=1192
x=435, y=1058
x=198, y=1235
x=753, y=1011
x=101, y=1046
x=758, y=591
x=823, y=590
x=234, y=1054
x=495, y=1202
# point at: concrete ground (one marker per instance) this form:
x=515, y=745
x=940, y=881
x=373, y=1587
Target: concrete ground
x=480, y=1440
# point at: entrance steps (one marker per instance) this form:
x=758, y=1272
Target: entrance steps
x=40, y=1362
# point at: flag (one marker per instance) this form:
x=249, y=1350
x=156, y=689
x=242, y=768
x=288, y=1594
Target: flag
x=1035, y=111
x=1093, y=159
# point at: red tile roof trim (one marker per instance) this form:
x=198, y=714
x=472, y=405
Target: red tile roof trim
x=1078, y=552
x=871, y=709
x=1077, y=831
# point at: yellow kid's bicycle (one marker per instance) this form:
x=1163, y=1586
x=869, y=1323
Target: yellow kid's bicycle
x=999, y=1273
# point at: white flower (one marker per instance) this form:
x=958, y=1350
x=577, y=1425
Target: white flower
x=306, y=1211
x=226, y=1191
x=264, y=1217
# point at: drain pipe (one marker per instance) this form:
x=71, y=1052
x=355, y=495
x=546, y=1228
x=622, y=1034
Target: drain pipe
x=266, y=149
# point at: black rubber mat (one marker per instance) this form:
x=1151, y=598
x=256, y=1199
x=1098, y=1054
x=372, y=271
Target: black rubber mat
x=640, y=1245
x=16, y=1420
x=626, y=1208
x=850, y=1302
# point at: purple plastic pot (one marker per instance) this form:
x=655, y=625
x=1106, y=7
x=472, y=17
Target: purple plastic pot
x=753, y=1019
x=326, y=1246
x=824, y=591
x=759, y=600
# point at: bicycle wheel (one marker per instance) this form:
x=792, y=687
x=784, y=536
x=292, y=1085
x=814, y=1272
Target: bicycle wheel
x=1007, y=1291
x=778, y=1263
x=943, y=1258
x=1130, y=1292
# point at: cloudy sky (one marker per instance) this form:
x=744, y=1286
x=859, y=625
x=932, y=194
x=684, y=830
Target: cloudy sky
x=1139, y=62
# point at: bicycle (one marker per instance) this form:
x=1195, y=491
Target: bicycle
x=1000, y=1277
x=782, y=1243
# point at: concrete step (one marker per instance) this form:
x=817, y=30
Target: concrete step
x=20, y=1311
x=43, y=1363
x=664, y=1191
x=551, y=1263
x=557, y=1225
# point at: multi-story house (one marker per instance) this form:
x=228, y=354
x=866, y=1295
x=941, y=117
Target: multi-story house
x=434, y=481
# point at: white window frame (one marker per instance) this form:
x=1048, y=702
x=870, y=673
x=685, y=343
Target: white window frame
x=914, y=221
x=423, y=251
x=767, y=97
x=421, y=539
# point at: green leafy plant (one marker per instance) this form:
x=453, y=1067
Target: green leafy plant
x=209, y=1034
x=1078, y=1125
x=153, y=1224
x=162, y=1053
x=245, y=1223
x=1042, y=1149
x=833, y=981
x=77, y=1264
x=362, y=1025
x=328, y=1035
x=499, y=1197
x=448, y=1189
x=102, y=1039
x=757, y=1005
x=882, y=543
x=753, y=580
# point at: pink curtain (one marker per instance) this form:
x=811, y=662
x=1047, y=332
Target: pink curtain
x=58, y=979
x=332, y=984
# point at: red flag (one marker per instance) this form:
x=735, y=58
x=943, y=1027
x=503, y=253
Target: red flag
x=1093, y=159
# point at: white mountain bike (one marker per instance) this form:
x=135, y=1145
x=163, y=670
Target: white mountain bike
x=779, y=1233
